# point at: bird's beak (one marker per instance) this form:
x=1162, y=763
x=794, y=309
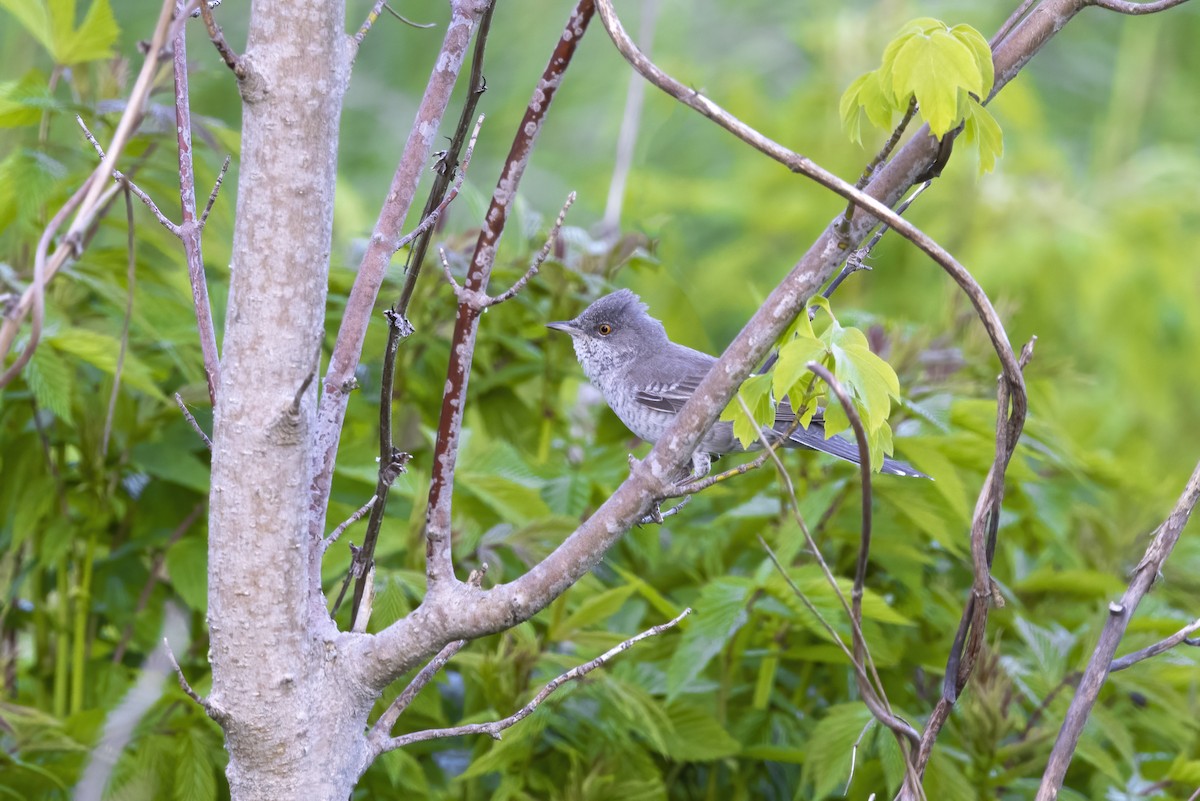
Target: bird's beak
x=566, y=326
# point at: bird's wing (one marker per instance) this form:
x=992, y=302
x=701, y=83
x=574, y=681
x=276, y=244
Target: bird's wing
x=670, y=379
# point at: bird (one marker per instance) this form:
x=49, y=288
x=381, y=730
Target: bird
x=646, y=379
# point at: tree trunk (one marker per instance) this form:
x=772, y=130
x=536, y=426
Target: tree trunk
x=294, y=730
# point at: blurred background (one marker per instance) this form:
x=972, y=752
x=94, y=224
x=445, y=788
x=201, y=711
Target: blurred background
x=1085, y=235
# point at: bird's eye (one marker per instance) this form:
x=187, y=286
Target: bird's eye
x=605, y=329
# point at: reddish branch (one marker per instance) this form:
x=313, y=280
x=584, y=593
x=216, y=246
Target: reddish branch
x=338, y=382
x=439, y=566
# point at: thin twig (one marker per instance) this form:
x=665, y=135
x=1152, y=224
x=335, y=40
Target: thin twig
x=392, y=462
x=857, y=259
x=351, y=520
x=190, y=227
x=494, y=728
x=880, y=158
x=1119, y=615
x=183, y=682
x=212, y=197
x=120, y=178
x=192, y=421
x=86, y=202
x=1181, y=637
x=361, y=303
x=231, y=59
x=432, y=217
x=383, y=726
x=538, y=260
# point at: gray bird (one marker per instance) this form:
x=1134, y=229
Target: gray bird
x=646, y=378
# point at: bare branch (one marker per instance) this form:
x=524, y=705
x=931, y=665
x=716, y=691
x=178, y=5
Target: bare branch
x=85, y=203
x=212, y=197
x=495, y=727
x=1123, y=7
x=360, y=304
x=1119, y=615
x=538, y=260
x=373, y=16
x=231, y=59
x=183, y=682
x=383, y=727
x=439, y=567
x=121, y=178
x=192, y=421
x=1181, y=637
x=433, y=216
x=190, y=227
x=354, y=518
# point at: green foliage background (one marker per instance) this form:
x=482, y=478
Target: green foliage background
x=1085, y=235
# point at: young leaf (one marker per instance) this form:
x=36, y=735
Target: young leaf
x=933, y=67
x=792, y=365
x=756, y=393
x=982, y=129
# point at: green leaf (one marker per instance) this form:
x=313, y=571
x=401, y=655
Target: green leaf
x=934, y=67
x=718, y=614
x=595, y=609
x=52, y=382
x=22, y=101
x=697, y=736
x=101, y=350
x=829, y=748
x=982, y=129
x=755, y=392
x=978, y=44
x=187, y=565
x=195, y=776
x=33, y=18
x=95, y=37
x=792, y=366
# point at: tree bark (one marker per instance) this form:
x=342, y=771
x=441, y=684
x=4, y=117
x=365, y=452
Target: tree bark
x=277, y=680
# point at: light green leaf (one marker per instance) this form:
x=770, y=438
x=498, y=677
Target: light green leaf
x=755, y=392
x=21, y=101
x=95, y=37
x=933, y=68
x=792, y=366
x=719, y=612
x=978, y=44
x=33, y=18
x=982, y=129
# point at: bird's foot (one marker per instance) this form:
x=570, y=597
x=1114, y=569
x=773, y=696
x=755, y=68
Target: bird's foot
x=656, y=515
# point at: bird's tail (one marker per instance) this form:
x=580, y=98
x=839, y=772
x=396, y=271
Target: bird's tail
x=813, y=437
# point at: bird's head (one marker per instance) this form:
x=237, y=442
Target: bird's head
x=613, y=332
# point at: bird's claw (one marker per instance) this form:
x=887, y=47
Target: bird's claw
x=656, y=515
